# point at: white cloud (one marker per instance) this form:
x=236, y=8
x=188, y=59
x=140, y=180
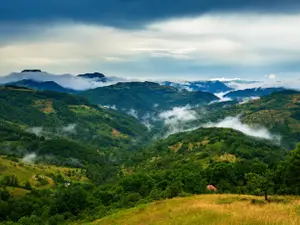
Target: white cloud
x=71, y=128
x=272, y=76
x=176, y=120
x=236, y=124
x=246, y=100
x=110, y=107
x=133, y=112
x=221, y=97
x=29, y=158
x=249, y=39
x=38, y=131
x=65, y=80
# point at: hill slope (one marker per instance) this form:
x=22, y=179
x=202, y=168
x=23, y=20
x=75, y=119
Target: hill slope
x=64, y=117
x=254, y=92
x=39, y=176
x=207, y=86
x=41, y=86
x=145, y=97
x=208, y=209
x=278, y=112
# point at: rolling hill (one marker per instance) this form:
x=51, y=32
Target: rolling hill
x=145, y=97
x=254, y=92
x=207, y=86
x=209, y=209
x=278, y=112
x=41, y=86
x=66, y=119
x=36, y=176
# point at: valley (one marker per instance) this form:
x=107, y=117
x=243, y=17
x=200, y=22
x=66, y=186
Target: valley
x=145, y=148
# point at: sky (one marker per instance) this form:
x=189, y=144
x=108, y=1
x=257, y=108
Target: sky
x=154, y=39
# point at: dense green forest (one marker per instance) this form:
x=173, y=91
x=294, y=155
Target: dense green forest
x=110, y=164
x=68, y=118
x=145, y=97
x=278, y=112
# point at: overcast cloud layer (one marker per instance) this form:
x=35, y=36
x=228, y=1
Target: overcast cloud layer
x=130, y=12
x=153, y=39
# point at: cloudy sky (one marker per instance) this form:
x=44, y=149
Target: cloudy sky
x=153, y=38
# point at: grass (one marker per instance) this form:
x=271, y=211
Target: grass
x=25, y=172
x=210, y=209
x=46, y=106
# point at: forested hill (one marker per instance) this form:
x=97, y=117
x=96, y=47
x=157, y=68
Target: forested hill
x=114, y=170
x=146, y=97
x=58, y=115
x=279, y=112
x=253, y=92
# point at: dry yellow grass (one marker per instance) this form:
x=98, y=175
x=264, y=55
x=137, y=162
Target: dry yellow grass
x=227, y=158
x=26, y=173
x=209, y=209
x=176, y=147
x=118, y=134
x=46, y=106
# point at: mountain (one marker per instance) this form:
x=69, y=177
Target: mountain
x=41, y=86
x=66, y=119
x=278, y=113
x=206, y=86
x=145, y=97
x=114, y=168
x=99, y=77
x=31, y=71
x=68, y=81
x=253, y=92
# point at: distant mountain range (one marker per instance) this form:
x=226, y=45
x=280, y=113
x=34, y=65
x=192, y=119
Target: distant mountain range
x=207, y=86
x=41, y=86
x=253, y=92
x=68, y=81
x=146, y=97
x=99, y=77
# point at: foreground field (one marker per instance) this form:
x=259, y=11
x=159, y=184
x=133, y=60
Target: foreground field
x=211, y=209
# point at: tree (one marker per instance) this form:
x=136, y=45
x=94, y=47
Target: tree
x=260, y=183
x=28, y=186
x=288, y=173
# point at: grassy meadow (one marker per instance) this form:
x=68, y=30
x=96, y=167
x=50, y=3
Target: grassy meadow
x=225, y=209
x=29, y=172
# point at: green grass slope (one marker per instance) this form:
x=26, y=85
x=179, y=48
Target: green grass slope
x=64, y=115
x=278, y=112
x=39, y=176
x=210, y=209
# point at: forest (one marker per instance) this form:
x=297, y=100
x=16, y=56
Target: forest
x=89, y=181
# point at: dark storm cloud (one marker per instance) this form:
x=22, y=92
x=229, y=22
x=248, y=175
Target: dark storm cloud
x=128, y=12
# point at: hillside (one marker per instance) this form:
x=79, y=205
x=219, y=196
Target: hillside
x=278, y=112
x=21, y=177
x=145, y=97
x=207, y=86
x=181, y=165
x=253, y=92
x=41, y=86
x=209, y=209
x=118, y=171
x=69, y=119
